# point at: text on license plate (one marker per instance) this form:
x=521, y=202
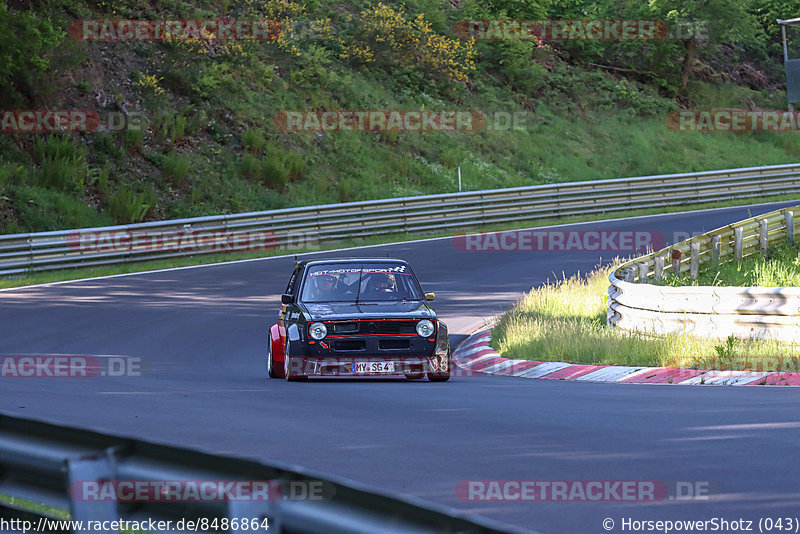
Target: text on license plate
x=372, y=367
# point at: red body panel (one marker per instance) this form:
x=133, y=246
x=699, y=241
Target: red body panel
x=277, y=334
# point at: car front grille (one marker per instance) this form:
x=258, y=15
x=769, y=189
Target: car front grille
x=393, y=344
x=377, y=327
x=349, y=344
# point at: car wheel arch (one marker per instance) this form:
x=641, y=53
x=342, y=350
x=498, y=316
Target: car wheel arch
x=276, y=338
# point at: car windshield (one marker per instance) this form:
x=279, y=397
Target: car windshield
x=360, y=282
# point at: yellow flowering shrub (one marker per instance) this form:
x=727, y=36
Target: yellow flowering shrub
x=150, y=82
x=384, y=33
x=206, y=44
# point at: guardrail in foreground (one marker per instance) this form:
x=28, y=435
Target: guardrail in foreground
x=634, y=304
x=63, y=467
x=311, y=226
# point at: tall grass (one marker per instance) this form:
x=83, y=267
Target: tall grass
x=61, y=163
x=126, y=206
x=175, y=167
x=779, y=267
x=565, y=321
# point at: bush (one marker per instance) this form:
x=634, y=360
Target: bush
x=514, y=61
x=99, y=179
x=167, y=124
x=175, y=167
x=61, y=164
x=105, y=145
x=9, y=174
x=40, y=210
x=294, y=164
x=134, y=140
x=385, y=36
x=274, y=174
x=250, y=166
x=253, y=141
x=128, y=207
x=25, y=49
x=277, y=168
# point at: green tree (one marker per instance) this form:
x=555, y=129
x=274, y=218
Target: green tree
x=522, y=9
x=707, y=23
x=25, y=48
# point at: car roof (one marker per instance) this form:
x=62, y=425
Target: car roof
x=351, y=260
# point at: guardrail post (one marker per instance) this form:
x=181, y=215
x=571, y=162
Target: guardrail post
x=642, y=273
x=630, y=273
x=676, y=262
x=715, y=248
x=694, y=266
x=659, y=267
x=762, y=235
x=30, y=253
x=737, y=242
x=82, y=473
x=789, y=218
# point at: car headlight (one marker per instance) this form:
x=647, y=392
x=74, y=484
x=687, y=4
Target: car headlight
x=317, y=330
x=424, y=328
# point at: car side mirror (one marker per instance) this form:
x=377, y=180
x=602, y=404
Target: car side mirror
x=430, y=296
x=287, y=299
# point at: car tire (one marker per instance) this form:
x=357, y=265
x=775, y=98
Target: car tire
x=441, y=376
x=271, y=371
x=287, y=367
x=438, y=377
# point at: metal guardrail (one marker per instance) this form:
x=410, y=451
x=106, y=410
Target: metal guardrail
x=634, y=304
x=52, y=465
x=311, y=226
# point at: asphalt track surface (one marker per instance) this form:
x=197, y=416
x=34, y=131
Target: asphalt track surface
x=199, y=333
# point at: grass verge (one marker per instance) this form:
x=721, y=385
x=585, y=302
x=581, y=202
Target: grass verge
x=30, y=510
x=779, y=267
x=25, y=505
x=90, y=272
x=565, y=321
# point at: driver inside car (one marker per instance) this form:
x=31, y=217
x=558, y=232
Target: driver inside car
x=323, y=287
x=381, y=284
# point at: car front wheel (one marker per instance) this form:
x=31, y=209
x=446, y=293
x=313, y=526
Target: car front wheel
x=271, y=371
x=441, y=376
x=292, y=375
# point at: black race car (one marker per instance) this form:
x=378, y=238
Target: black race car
x=357, y=317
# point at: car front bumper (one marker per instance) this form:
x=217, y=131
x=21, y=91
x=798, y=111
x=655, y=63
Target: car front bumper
x=344, y=366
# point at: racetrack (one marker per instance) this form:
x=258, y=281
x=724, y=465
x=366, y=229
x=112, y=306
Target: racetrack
x=200, y=333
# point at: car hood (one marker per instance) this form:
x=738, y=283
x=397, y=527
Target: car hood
x=378, y=310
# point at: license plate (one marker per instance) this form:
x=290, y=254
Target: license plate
x=372, y=367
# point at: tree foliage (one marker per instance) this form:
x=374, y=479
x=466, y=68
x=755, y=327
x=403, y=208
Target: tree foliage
x=27, y=43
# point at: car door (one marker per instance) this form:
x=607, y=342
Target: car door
x=290, y=312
